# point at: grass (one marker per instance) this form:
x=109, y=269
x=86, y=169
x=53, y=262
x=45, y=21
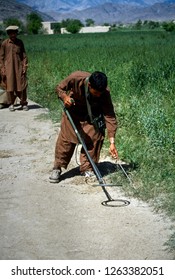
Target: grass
x=140, y=70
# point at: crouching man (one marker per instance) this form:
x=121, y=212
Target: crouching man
x=88, y=100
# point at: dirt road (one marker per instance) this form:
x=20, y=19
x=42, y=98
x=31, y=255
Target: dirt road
x=40, y=220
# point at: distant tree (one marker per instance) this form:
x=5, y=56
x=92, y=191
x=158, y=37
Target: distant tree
x=169, y=26
x=145, y=22
x=106, y=24
x=34, y=23
x=138, y=24
x=65, y=22
x=74, y=25
x=153, y=24
x=56, y=26
x=89, y=22
x=14, y=21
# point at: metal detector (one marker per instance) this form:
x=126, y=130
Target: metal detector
x=110, y=202
x=123, y=170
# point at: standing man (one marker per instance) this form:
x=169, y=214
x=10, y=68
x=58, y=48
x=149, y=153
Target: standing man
x=13, y=67
x=86, y=96
x=3, y=94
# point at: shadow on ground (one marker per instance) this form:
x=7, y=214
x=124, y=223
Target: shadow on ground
x=105, y=168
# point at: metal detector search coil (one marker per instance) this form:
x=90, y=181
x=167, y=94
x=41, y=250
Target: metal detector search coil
x=115, y=203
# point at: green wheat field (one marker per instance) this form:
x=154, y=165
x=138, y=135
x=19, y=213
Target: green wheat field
x=140, y=66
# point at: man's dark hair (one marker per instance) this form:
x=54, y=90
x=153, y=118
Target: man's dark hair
x=98, y=81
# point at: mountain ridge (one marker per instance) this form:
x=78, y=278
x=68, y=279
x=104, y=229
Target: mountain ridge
x=14, y=9
x=63, y=6
x=117, y=11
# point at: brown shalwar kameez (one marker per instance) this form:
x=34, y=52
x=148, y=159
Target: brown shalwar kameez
x=13, y=65
x=67, y=139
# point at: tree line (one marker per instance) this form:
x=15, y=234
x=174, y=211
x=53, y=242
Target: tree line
x=33, y=25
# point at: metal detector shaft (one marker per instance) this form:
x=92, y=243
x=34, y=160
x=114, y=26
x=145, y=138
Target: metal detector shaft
x=96, y=170
x=125, y=172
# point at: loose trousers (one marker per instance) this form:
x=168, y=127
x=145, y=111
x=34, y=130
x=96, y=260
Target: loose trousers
x=22, y=95
x=64, y=151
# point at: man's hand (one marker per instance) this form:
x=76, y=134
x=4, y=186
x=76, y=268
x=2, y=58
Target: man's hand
x=68, y=101
x=113, y=151
x=3, y=72
x=24, y=69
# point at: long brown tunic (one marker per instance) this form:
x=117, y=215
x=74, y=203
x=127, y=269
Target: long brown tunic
x=74, y=86
x=13, y=61
x=76, y=82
